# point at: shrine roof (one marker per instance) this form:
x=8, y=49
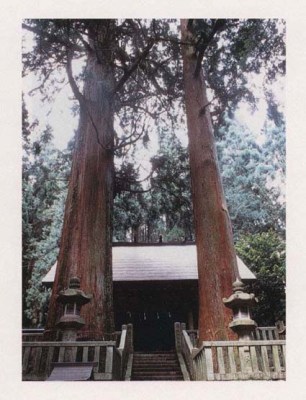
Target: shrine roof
x=155, y=263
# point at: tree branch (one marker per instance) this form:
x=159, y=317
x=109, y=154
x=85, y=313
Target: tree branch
x=80, y=97
x=203, y=109
x=153, y=115
x=136, y=191
x=218, y=25
x=175, y=41
x=180, y=198
x=53, y=38
x=162, y=39
x=72, y=82
x=134, y=66
x=147, y=177
x=41, y=85
x=85, y=43
x=124, y=144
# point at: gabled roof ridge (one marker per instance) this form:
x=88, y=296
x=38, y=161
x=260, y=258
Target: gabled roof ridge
x=149, y=244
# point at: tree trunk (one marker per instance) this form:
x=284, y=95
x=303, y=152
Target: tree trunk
x=86, y=241
x=216, y=257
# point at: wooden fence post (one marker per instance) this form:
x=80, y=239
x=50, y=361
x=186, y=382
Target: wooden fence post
x=130, y=346
x=178, y=336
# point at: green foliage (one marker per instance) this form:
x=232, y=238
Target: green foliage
x=171, y=181
x=275, y=147
x=128, y=203
x=243, y=47
x=250, y=174
x=44, y=187
x=264, y=254
x=44, y=255
x=165, y=209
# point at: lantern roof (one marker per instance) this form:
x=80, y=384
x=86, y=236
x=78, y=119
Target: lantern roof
x=73, y=294
x=240, y=297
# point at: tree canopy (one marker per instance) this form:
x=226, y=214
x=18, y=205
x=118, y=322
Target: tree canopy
x=148, y=51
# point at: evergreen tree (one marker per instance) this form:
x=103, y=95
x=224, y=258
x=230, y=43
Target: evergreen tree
x=235, y=47
x=171, y=185
x=275, y=150
x=248, y=170
x=265, y=253
x=129, y=204
x=165, y=207
x=115, y=51
x=44, y=183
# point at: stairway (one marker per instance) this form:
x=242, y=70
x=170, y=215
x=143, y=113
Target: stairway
x=156, y=366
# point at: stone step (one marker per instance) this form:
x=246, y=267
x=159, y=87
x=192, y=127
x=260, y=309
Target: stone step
x=143, y=373
x=136, y=377
x=148, y=370
x=158, y=378
x=155, y=354
x=153, y=362
x=145, y=367
x=155, y=357
x=156, y=366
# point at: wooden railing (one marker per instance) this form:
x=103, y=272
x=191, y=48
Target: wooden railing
x=123, y=352
x=32, y=335
x=37, y=357
x=269, y=333
x=233, y=360
x=260, y=333
x=240, y=360
x=187, y=351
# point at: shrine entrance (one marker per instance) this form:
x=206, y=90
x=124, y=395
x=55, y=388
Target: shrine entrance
x=154, y=331
x=153, y=308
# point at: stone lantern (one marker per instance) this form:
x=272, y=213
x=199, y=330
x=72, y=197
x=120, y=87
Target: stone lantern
x=72, y=299
x=241, y=302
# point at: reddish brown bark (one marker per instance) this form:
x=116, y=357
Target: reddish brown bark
x=215, y=250
x=85, y=249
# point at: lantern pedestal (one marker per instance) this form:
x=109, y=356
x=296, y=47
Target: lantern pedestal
x=72, y=299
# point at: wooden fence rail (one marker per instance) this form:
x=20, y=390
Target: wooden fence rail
x=32, y=335
x=235, y=360
x=260, y=333
x=110, y=361
x=187, y=349
x=268, y=333
x=123, y=352
x=38, y=356
x=240, y=360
